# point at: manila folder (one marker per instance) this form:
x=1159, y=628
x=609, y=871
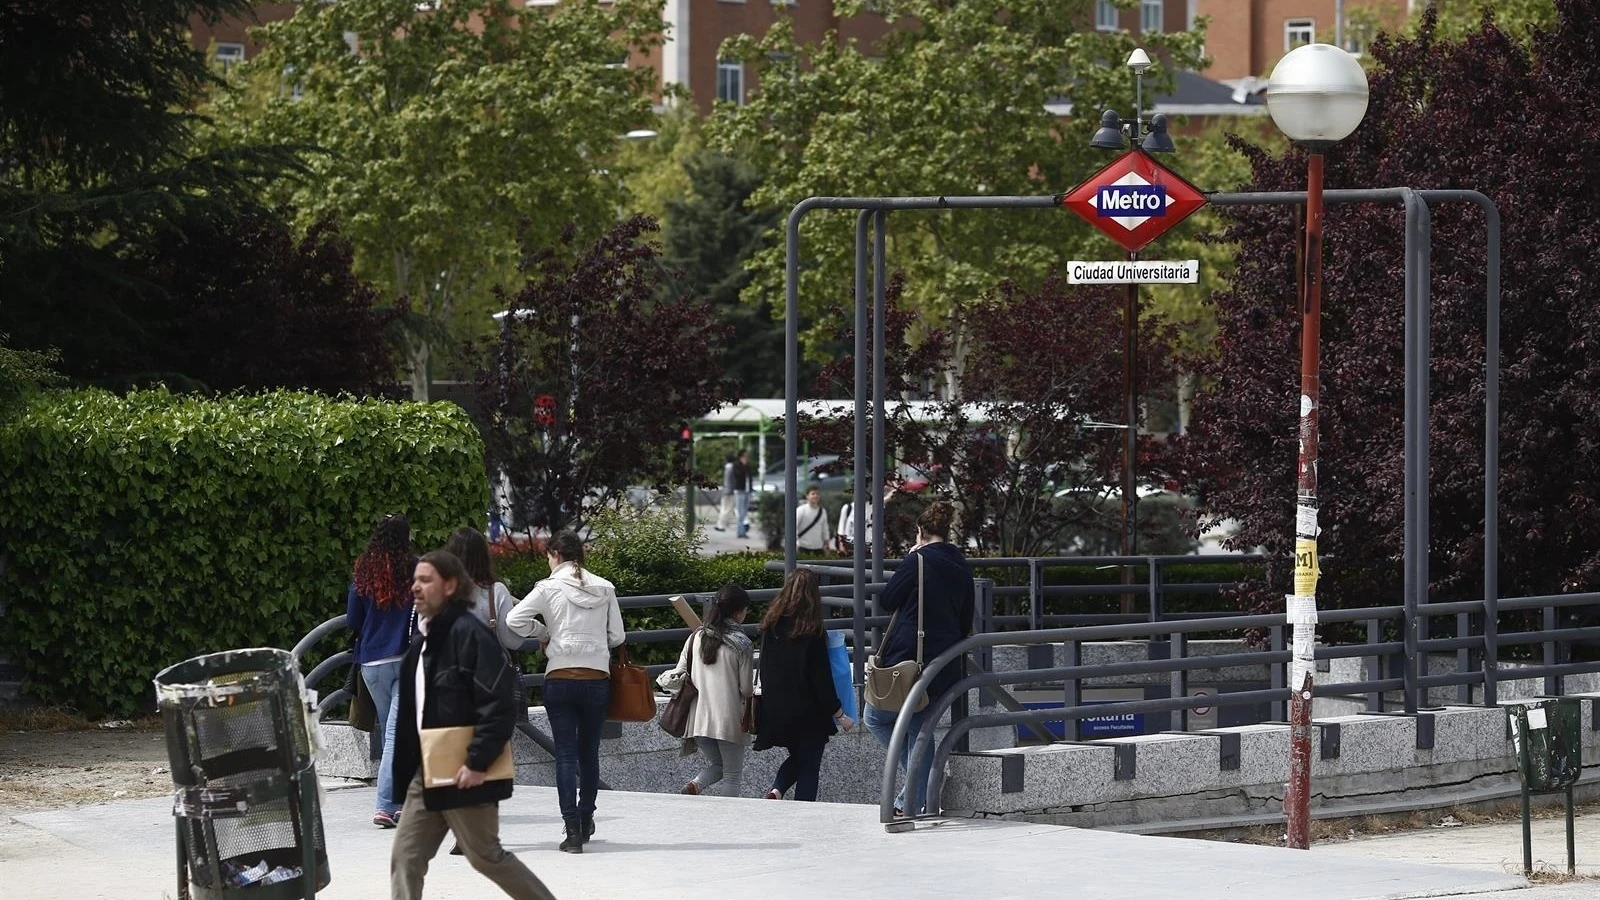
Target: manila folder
x=444, y=752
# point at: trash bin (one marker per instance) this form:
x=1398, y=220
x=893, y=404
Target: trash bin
x=1547, y=737
x=246, y=803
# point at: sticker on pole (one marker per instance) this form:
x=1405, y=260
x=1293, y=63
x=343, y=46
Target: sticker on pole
x=1134, y=200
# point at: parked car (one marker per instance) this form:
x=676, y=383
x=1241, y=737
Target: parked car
x=831, y=482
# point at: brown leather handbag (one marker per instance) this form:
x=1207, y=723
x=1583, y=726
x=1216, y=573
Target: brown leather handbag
x=675, y=716
x=632, y=699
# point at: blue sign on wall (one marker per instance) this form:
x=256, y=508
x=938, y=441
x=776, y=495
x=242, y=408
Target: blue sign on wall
x=1097, y=727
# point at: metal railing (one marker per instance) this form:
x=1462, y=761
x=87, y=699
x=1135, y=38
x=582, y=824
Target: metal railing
x=1555, y=643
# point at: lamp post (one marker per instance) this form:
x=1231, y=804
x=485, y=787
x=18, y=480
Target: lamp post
x=1152, y=139
x=1316, y=96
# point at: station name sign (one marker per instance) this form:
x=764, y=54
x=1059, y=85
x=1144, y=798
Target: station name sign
x=1181, y=271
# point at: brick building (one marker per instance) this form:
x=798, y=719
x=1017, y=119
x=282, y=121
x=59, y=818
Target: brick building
x=1247, y=37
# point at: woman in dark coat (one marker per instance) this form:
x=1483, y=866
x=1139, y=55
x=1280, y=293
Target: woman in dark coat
x=945, y=589
x=799, y=709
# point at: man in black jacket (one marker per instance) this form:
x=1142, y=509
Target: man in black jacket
x=454, y=675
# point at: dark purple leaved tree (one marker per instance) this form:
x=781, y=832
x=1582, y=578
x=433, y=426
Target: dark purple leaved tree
x=1484, y=115
x=592, y=377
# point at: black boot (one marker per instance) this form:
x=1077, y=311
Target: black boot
x=573, y=843
x=588, y=828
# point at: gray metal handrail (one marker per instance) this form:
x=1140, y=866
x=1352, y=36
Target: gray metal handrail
x=923, y=741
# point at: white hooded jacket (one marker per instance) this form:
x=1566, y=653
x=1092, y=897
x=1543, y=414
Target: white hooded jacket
x=582, y=620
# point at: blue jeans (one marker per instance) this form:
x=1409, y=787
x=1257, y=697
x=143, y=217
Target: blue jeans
x=741, y=499
x=383, y=683
x=577, y=710
x=881, y=724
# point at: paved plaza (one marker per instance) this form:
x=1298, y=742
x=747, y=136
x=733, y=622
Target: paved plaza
x=669, y=847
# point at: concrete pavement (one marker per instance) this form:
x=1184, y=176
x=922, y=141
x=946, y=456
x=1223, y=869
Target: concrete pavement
x=656, y=847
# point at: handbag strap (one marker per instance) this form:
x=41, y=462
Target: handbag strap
x=921, y=611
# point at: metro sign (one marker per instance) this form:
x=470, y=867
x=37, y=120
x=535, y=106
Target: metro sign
x=1134, y=200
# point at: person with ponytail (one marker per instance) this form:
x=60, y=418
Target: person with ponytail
x=945, y=591
x=799, y=709
x=378, y=610
x=718, y=658
x=581, y=623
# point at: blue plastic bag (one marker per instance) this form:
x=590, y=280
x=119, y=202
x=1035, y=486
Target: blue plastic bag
x=839, y=663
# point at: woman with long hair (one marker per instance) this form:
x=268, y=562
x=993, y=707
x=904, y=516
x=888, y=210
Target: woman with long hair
x=378, y=610
x=717, y=658
x=799, y=709
x=491, y=599
x=945, y=594
x=581, y=623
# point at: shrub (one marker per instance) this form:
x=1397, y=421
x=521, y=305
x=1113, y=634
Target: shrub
x=142, y=530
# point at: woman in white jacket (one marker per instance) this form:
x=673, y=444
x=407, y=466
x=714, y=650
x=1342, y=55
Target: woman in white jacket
x=717, y=658
x=581, y=623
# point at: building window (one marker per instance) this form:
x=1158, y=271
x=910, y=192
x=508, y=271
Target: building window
x=1105, y=16
x=1298, y=33
x=229, y=55
x=783, y=2
x=1152, y=15
x=730, y=81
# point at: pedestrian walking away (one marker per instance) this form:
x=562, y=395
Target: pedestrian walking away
x=378, y=609
x=742, y=476
x=454, y=676
x=946, y=593
x=574, y=613
x=718, y=657
x=726, y=511
x=799, y=710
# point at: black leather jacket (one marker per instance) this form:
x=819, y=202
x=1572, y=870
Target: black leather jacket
x=468, y=683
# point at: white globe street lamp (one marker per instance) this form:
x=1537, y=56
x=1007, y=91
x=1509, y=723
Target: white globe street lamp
x=1317, y=96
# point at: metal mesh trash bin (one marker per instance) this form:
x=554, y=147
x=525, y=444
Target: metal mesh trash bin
x=249, y=823
x=1547, y=737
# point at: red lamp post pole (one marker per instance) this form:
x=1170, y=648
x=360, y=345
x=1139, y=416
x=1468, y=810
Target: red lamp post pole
x=1302, y=604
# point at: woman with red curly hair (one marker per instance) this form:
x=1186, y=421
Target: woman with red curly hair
x=378, y=610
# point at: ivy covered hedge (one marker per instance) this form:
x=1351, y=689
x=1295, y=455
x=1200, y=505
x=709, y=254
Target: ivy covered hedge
x=137, y=531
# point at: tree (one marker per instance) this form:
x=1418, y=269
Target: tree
x=954, y=105
x=450, y=134
x=593, y=375
x=710, y=233
x=97, y=154
x=1031, y=448
x=246, y=304
x=1499, y=116
x=1455, y=20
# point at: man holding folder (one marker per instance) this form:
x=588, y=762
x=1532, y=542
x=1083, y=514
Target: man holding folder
x=453, y=738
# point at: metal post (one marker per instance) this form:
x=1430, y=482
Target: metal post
x=1411, y=543
x=1572, y=856
x=858, y=500
x=880, y=459
x=1130, y=414
x=1302, y=604
x=1527, y=834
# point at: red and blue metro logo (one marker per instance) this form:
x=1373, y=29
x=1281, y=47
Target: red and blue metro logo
x=1134, y=200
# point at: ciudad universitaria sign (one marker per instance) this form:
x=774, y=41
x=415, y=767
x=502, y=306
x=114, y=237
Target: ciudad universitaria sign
x=1133, y=201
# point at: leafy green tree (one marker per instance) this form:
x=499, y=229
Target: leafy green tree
x=954, y=105
x=1457, y=19
x=711, y=232
x=451, y=134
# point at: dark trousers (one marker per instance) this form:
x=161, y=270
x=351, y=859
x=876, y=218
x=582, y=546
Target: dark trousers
x=802, y=770
x=577, y=710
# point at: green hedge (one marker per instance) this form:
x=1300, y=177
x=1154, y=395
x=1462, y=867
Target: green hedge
x=142, y=530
